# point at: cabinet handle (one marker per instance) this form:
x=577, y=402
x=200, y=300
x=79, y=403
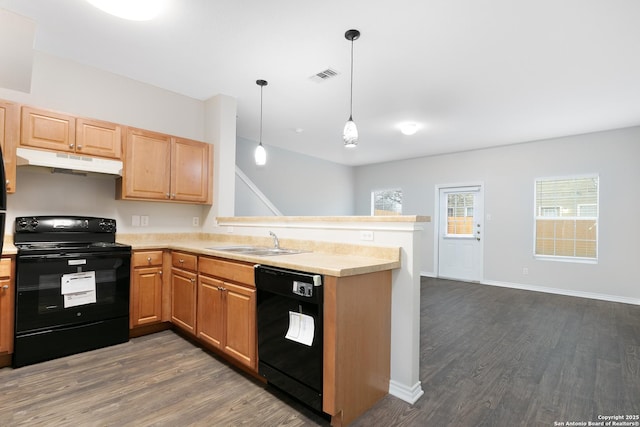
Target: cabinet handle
x=181, y=261
x=173, y=196
x=193, y=280
x=168, y=195
x=79, y=147
x=160, y=272
x=71, y=145
x=149, y=259
x=5, y=287
x=8, y=181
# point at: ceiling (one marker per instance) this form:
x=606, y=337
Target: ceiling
x=470, y=73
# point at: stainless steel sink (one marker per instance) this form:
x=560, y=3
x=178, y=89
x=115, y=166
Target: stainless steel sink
x=255, y=250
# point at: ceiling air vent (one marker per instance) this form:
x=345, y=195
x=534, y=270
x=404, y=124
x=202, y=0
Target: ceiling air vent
x=324, y=75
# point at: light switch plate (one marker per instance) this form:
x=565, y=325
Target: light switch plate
x=135, y=220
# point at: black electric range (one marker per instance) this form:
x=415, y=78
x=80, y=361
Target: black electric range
x=72, y=287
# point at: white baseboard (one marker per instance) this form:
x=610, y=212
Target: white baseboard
x=408, y=394
x=428, y=274
x=567, y=292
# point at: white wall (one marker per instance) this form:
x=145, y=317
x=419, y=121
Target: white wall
x=508, y=174
x=296, y=184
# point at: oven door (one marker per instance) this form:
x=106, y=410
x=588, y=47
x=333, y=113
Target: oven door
x=45, y=297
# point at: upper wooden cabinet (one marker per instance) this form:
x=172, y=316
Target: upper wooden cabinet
x=9, y=136
x=98, y=138
x=50, y=130
x=163, y=167
x=190, y=170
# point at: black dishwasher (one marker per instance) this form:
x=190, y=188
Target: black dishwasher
x=290, y=332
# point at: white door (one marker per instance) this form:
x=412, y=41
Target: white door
x=460, y=233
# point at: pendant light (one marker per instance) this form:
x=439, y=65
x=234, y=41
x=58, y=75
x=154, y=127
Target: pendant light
x=350, y=133
x=261, y=154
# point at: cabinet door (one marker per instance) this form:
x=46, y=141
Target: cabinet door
x=98, y=138
x=48, y=130
x=240, y=324
x=190, y=169
x=6, y=306
x=183, y=299
x=210, y=311
x=147, y=165
x=146, y=296
x=9, y=135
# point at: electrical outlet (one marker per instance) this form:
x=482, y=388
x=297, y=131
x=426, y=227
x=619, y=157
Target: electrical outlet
x=144, y=220
x=195, y=221
x=135, y=220
x=525, y=271
x=229, y=229
x=366, y=235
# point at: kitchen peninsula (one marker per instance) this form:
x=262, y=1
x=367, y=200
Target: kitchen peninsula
x=206, y=280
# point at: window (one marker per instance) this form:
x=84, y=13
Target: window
x=386, y=202
x=460, y=214
x=566, y=225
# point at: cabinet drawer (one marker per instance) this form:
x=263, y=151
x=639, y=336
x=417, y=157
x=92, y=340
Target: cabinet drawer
x=146, y=258
x=5, y=267
x=184, y=261
x=228, y=270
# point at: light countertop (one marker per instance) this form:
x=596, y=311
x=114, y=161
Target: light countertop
x=333, y=259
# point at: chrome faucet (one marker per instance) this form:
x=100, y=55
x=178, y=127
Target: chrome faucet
x=276, y=242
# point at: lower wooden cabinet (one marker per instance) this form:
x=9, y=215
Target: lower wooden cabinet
x=227, y=318
x=184, y=287
x=147, y=281
x=6, y=305
x=211, y=298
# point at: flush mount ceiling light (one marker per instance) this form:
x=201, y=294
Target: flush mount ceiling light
x=408, y=128
x=261, y=154
x=350, y=133
x=133, y=10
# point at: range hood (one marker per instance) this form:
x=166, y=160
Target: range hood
x=65, y=161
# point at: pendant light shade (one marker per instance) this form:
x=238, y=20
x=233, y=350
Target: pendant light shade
x=260, y=153
x=350, y=132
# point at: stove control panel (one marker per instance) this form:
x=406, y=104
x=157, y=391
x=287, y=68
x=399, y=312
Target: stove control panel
x=26, y=223
x=64, y=224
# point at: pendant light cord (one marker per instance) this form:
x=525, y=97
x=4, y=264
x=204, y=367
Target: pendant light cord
x=261, y=87
x=351, y=98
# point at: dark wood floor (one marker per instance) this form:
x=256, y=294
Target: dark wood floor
x=489, y=357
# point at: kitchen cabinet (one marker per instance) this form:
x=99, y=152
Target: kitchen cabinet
x=164, y=167
x=357, y=344
x=184, y=289
x=227, y=309
x=6, y=309
x=147, y=283
x=60, y=132
x=9, y=136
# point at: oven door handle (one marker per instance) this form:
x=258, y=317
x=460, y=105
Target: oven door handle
x=73, y=256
